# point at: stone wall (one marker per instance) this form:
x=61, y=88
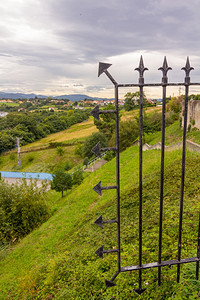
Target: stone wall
x=191, y=146
x=193, y=113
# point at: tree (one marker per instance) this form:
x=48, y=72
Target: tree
x=106, y=124
x=128, y=133
x=129, y=101
x=132, y=100
x=61, y=181
x=175, y=104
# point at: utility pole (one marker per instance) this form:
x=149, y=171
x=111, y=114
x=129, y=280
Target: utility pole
x=18, y=153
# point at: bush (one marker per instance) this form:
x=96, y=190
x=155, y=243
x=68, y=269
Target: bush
x=128, y=133
x=60, y=150
x=110, y=155
x=79, y=150
x=22, y=208
x=77, y=177
x=86, y=161
x=13, y=156
x=68, y=166
x=30, y=158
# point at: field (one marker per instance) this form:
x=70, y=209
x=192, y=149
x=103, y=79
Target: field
x=8, y=104
x=38, y=157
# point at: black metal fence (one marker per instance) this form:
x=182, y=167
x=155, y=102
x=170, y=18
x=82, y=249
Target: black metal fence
x=103, y=68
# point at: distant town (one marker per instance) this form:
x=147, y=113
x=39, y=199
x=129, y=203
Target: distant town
x=52, y=103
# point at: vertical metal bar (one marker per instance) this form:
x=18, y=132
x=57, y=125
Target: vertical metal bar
x=187, y=70
x=117, y=176
x=141, y=70
x=161, y=183
x=140, y=183
x=198, y=251
x=182, y=181
x=164, y=69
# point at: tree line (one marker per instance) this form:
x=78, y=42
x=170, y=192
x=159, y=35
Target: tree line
x=30, y=127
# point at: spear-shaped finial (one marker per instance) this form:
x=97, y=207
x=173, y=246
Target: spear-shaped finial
x=187, y=68
x=141, y=67
x=165, y=69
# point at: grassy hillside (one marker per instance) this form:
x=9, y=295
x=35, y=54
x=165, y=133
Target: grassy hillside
x=57, y=261
x=38, y=157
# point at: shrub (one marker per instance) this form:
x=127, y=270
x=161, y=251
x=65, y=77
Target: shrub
x=77, y=177
x=86, y=161
x=68, y=166
x=192, y=121
x=22, y=208
x=12, y=156
x=30, y=158
x=60, y=150
x=79, y=150
x=128, y=133
x=110, y=155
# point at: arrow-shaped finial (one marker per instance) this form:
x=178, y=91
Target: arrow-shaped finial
x=99, y=252
x=97, y=149
x=109, y=283
x=141, y=67
x=97, y=188
x=140, y=291
x=95, y=112
x=187, y=68
x=99, y=221
x=103, y=67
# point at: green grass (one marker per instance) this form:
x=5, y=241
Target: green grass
x=37, y=157
x=173, y=134
x=9, y=104
x=57, y=260
x=40, y=161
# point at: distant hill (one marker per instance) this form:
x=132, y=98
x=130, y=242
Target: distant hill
x=71, y=97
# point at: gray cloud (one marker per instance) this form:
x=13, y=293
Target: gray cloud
x=45, y=44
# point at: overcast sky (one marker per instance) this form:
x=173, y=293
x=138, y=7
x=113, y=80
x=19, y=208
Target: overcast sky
x=53, y=47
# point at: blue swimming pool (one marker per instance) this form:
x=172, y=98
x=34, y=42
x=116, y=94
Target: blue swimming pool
x=40, y=176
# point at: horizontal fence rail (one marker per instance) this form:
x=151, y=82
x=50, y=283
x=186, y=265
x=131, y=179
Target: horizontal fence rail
x=103, y=68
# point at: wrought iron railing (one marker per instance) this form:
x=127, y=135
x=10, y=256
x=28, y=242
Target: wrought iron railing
x=103, y=68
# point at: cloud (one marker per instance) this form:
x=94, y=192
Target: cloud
x=45, y=44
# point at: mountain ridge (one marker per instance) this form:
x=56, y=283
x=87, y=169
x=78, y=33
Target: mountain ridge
x=71, y=97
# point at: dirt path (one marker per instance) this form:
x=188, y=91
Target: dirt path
x=96, y=166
